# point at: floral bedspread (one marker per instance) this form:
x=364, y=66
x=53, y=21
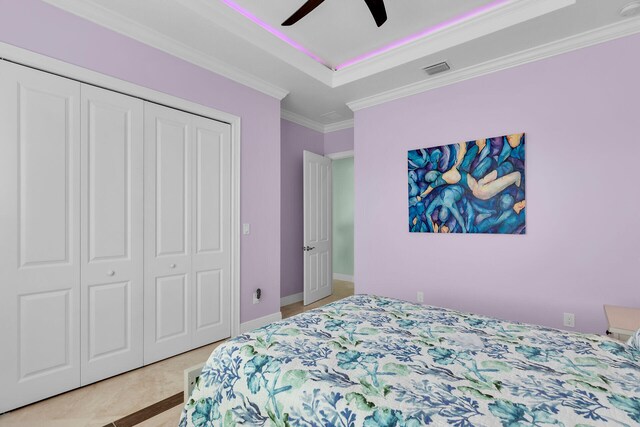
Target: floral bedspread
x=373, y=361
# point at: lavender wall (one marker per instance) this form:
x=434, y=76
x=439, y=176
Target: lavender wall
x=581, y=250
x=295, y=140
x=36, y=26
x=338, y=141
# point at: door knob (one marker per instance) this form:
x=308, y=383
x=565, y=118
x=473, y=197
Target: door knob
x=308, y=248
x=110, y=273
x=172, y=266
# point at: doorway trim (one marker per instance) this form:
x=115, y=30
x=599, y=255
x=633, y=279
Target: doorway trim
x=50, y=65
x=340, y=155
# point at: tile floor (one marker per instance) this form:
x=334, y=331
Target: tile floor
x=102, y=403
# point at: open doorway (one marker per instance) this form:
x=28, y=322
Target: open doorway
x=342, y=220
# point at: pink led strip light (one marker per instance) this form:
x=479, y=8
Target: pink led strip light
x=398, y=43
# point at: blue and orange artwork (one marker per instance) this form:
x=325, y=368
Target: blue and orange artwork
x=471, y=187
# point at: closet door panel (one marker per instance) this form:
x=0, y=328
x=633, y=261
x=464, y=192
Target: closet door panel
x=39, y=225
x=172, y=187
x=43, y=178
x=168, y=225
x=109, y=326
x=212, y=220
x=172, y=307
x=112, y=233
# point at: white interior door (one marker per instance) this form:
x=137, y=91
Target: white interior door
x=211, y=261
x=39, y=235
x=112, y=233
x=318, y=281
x=168, y=223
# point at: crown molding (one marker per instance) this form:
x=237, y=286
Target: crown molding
x=333, y=127
x=500, y=18
x=223, y=16
x=301, y=120
x=313, y=125
x=503, y=16
x=123, y=25
x=589, y=38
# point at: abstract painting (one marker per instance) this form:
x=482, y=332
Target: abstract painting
x=470, y=187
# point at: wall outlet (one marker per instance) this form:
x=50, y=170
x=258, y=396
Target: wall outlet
x=420, y=297
x=191, y=378
x=570, y=320
x=257, y=294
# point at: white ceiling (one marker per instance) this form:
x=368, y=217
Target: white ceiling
x=340, y=30
x=211, y=34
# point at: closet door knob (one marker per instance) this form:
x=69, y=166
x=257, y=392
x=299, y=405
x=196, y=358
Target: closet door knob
x=172, y=266
x=110, y=273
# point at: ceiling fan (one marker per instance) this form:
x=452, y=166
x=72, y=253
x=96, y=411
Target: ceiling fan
x=375, y=6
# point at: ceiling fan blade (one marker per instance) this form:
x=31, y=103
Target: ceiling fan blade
x=378, y=11
x=302, y=12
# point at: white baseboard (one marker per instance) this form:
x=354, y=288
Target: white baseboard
x=260, y=322
x=291, y=299
x=343, y=277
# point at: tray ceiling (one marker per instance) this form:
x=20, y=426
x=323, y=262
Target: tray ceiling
x=213, y=35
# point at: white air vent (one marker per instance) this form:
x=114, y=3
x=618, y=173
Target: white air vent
x=437, y=68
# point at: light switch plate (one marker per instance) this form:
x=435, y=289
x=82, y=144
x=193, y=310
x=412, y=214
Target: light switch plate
x=246, y=229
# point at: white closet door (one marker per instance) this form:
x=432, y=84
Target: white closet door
x=168, y=228
x=112, y=233
x=39, y=235
x=212, y=229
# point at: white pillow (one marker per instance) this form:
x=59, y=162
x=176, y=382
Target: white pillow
x=634, y=341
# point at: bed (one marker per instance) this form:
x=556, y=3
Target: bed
x=374, y=361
